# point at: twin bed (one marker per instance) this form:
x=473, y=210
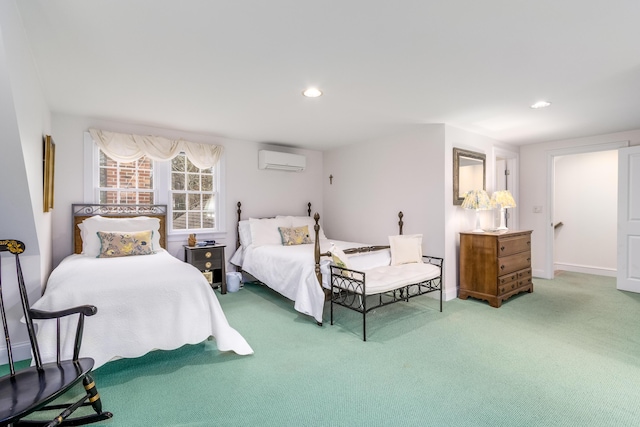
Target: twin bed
x=145, y=302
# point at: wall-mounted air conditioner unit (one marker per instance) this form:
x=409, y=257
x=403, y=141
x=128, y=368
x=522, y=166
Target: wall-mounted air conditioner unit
x=281, y=161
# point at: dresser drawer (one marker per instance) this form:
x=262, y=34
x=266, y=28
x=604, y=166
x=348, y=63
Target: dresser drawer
x=513, y=281
x=507, y=278
x=512, y=263
x=513, y=245
x=505, y=289
x=524, y=277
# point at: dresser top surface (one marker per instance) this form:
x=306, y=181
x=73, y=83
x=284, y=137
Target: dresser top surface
x=496, y=233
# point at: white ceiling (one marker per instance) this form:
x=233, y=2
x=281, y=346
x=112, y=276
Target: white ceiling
x=236, y=69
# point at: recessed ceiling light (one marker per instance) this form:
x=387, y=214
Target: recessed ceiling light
x=541, y=104
x=312, y=92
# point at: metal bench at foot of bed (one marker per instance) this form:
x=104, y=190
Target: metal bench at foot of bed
x=363, y=291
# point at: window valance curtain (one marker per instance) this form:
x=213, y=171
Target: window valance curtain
x=127, y=148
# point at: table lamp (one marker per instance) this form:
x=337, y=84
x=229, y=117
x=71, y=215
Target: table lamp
x=505, y=200
x=477, y=200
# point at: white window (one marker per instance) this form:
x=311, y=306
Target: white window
x=192, y=195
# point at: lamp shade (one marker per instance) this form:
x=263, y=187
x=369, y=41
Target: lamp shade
x=477, y=200
x=503, y=198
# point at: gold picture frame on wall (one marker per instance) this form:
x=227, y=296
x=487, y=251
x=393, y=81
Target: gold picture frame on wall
x=49, y=162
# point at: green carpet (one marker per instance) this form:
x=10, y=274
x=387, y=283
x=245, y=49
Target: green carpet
x=566, y=355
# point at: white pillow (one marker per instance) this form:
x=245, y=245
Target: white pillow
x=406, y=249
x=244, y=229
x=89, y=230
x=264, y=231
x=301, y=221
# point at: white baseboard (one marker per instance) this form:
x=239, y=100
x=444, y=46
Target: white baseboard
x=20, y=351
x=450, y=294
x=541, y=274
x=598, y=271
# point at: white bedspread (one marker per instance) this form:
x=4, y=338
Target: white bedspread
x=144, y=303
x=290, y=270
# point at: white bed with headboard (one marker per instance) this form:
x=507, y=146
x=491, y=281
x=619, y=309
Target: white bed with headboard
x=147, y=300
x=300, y=270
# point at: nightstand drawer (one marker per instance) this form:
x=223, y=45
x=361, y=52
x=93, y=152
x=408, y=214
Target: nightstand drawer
x=205, y=254
x=205, y=265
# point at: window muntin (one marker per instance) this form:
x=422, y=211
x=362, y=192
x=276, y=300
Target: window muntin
x=193, y=196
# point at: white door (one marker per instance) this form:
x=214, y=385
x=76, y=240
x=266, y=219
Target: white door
x=629, y=219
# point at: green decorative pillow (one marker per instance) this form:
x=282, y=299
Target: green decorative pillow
x=125, y=243
x=294, y=235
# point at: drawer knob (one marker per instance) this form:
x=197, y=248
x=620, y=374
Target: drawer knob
x=502, y=248
x=207, y=264
x=502, y=267
x=207, y=254
x=529, y=259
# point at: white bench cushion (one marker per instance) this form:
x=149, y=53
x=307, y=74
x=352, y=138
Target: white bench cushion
x=390, y=277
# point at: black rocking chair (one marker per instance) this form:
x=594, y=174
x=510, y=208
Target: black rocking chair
x=34, y=388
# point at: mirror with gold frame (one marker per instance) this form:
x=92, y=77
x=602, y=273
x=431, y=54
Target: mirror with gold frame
x=469, y=173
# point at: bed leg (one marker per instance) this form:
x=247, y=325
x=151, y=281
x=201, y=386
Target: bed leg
x=364, y=326
x=331, y=307
x=364, y=318
x=319, y=323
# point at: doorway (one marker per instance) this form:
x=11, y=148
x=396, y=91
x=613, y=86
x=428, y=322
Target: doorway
x=578, y=198
x=585, y=212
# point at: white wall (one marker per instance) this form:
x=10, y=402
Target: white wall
x=586, y=198
x=534, y=189
x=375, y=180
x=24, y=119
x=262, y=192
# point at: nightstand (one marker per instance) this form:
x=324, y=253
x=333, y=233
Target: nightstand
x=210, y=260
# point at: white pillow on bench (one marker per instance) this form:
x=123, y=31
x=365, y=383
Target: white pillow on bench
x=406, y=249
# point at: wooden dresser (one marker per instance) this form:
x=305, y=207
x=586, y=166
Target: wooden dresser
x=495, y=266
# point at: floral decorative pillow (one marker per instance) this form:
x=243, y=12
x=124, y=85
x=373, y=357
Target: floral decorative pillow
x=125, y=243
x=295, y=235
x=338, y=257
